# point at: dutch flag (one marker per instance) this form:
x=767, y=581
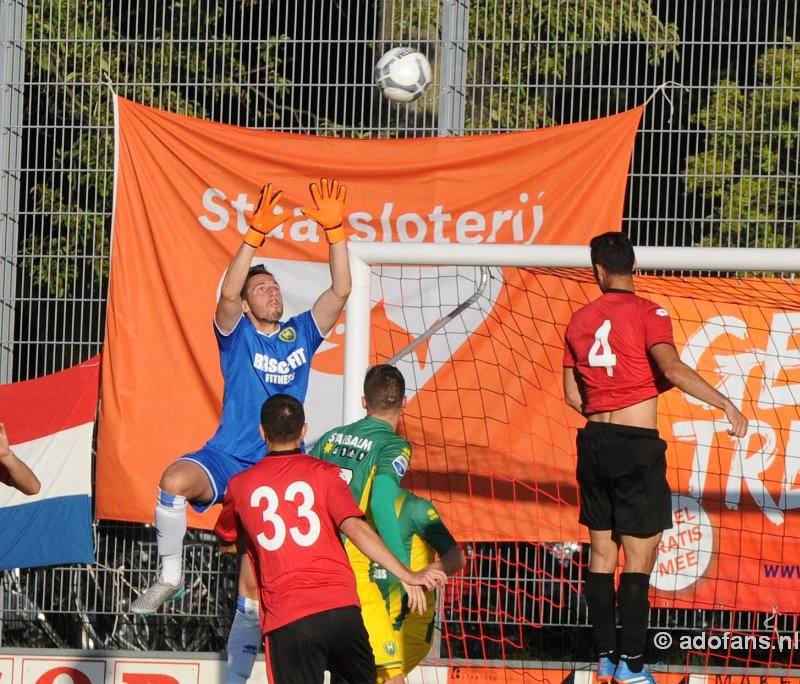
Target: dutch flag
x=50, y=422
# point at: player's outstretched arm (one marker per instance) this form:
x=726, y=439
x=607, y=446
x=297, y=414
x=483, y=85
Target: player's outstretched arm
x=328, y=212
x=381, y=504
x=371, y=545
x=20, y=476
x=688, y=380
x=264, y=221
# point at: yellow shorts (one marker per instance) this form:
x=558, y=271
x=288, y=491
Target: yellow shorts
x=414, y=640
x=412, y=632
x=415, y=635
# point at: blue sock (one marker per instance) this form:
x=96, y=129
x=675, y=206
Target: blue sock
x=243, y=641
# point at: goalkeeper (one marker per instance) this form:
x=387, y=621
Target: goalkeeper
x=260, y=356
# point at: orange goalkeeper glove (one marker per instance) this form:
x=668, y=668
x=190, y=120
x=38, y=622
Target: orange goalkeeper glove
x=265, y=220
x=328, y=209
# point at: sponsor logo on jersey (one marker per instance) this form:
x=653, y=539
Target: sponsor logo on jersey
x=351, y=442
x=280, y=371
x=390, y=647
x=288, y=334
x=432, y=514
x=400, y=464
x=662, y=312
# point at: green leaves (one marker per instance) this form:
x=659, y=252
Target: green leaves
x=165, y=59
x=748, y=173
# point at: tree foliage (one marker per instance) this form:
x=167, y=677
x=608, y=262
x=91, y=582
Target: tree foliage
x=76, y=54
x=748, y=173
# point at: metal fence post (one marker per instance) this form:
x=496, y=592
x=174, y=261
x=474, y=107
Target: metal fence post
x=453, y=67
x=12, y=70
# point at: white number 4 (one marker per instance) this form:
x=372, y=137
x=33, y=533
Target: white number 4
x=601, y=354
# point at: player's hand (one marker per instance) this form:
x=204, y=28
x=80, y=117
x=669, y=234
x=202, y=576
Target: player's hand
x=417, y=602
x=5, y=449
x=328, y=209
x=265, y=220
x=429, y=578
x=737, y=420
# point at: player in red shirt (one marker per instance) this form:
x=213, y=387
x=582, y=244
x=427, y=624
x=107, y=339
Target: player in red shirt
x=286, y=512
x=619, y=356
x=13, y=472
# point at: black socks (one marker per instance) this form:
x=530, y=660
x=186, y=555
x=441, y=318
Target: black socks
x=634, y=610
x=600, y=599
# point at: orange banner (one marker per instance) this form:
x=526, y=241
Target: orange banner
x=185, y=189
x=493, y=439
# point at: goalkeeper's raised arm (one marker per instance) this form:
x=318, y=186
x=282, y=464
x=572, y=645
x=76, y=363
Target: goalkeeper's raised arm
x=328, y=212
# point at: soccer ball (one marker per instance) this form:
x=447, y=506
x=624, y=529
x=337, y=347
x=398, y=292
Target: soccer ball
x=402, y=74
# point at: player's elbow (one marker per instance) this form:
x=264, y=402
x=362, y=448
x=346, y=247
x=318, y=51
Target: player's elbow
x=228, y=547
x=342, y=291
x=454, y=560
x=574, y=401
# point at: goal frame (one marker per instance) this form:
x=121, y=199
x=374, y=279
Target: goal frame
x=364, y=255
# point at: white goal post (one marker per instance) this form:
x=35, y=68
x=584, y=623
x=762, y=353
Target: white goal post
x=363, y=255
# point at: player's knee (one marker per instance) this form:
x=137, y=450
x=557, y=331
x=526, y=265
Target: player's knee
x=604, y=560
x=172, y=483
x=178, y=480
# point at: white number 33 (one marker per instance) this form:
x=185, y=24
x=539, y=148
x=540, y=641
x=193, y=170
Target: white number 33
x=601, y=353
x=270, y=515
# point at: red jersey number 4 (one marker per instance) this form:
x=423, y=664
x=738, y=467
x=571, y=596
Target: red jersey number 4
x=601, y=354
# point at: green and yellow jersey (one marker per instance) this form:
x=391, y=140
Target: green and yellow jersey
x=365, y=449
x=373, y=459
x=424, y=535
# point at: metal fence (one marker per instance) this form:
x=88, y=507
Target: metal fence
x=715, y=163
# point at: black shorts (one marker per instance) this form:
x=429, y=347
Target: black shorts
x=334, y=640
x=622, y=478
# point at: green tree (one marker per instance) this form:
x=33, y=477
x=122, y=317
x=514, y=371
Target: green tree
x=76, y=54
x=202, y=57
x=748, y=173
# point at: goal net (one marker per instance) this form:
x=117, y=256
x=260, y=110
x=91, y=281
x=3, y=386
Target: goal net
x=494, y=446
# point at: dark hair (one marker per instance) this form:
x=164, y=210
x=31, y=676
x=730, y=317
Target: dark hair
x=614, y=252
x=384, y=388
x=258, y=269
x=282, y=418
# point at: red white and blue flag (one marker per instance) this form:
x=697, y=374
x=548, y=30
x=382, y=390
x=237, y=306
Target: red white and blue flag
x=50, y=422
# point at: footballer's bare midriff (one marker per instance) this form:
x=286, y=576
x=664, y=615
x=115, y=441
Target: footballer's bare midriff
x=642, y=415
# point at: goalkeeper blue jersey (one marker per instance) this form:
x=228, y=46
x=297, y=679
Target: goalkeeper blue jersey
x=254, y=367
